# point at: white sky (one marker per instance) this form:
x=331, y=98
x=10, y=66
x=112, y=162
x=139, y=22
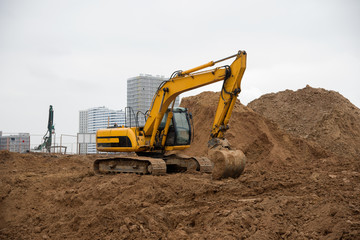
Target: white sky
x=78, y=54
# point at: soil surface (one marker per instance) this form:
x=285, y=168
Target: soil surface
x=293, y=186
x=315, y=114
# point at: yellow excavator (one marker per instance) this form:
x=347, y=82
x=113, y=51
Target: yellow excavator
x=168, y=128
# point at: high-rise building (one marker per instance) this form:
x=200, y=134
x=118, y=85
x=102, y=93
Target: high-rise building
x=95, y=118
x=83, y=124
x=140, y=92
x=83, y=121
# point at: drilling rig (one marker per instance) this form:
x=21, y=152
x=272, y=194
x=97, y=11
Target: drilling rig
x=47, y=138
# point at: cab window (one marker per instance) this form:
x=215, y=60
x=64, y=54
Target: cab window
x=182, y=128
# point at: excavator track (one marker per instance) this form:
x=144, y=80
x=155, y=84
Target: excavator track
x=178, y=161
x=139, y=165
x=154, y=166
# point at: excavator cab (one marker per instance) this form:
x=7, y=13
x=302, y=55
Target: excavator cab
x=179, y=132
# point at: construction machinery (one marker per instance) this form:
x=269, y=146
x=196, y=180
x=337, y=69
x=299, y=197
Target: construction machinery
x=47, y=138
x=168, y=128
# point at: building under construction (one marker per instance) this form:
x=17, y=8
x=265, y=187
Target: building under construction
x=15, y=143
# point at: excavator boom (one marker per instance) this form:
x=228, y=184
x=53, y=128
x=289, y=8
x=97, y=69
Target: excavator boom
x=189, y=80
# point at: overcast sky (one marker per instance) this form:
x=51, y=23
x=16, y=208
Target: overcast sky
x=75, y=55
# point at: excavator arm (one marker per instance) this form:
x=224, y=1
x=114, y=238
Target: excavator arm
x=191, y=79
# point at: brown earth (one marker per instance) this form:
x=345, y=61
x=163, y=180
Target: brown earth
x=292, y=188
x=317, y=115
x=262, y=141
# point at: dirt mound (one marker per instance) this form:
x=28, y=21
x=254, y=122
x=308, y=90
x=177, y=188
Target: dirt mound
x=262, y=141
x=315, y=114
x=290, y=189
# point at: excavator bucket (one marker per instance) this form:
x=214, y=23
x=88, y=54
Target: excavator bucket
x=227, y=162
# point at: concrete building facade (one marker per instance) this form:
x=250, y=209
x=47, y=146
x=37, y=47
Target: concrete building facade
x=140, y=92
x=83, y=124
x=15, y=143
x=92, y=119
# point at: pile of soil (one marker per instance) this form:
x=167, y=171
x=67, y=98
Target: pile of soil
x=315, y=114
x=262, y=141
x=292, y=188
